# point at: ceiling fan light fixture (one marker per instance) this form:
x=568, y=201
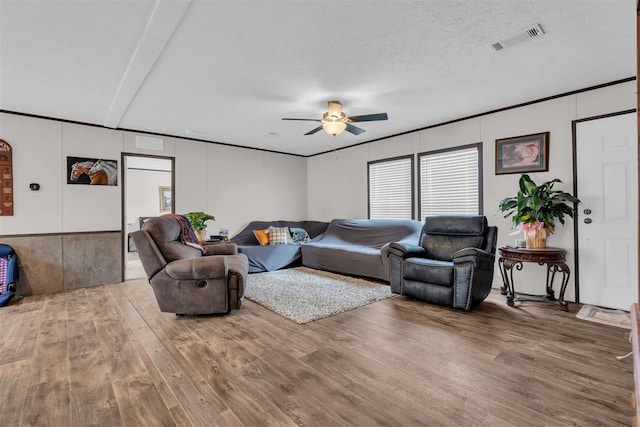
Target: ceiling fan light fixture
x=335, y=121
x=334, y=128
x=334, y=109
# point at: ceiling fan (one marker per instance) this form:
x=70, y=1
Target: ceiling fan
x=334, y=121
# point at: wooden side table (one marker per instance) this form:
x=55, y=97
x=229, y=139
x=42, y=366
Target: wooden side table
x=553, y=258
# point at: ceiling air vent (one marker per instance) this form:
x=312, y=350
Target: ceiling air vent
x=520, y=36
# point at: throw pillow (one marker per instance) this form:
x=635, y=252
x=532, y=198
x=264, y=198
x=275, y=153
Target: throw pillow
x=299, y=235
x=279, y=236
x=262, y=236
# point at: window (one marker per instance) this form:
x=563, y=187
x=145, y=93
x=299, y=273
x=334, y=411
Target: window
x=391, y=188
x=450, y=181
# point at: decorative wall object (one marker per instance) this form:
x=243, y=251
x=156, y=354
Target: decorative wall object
x=86, y=171
x=521, y=154
x=165, y=199
x=6, y=179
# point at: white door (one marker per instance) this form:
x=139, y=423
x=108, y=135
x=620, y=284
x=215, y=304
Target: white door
x=606, y=153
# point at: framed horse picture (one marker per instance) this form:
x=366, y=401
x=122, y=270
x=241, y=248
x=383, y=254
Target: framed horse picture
x=87, y=171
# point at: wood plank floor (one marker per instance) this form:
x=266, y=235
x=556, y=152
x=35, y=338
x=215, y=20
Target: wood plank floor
x=107, y=356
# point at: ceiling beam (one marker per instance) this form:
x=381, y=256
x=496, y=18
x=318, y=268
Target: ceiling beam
x=164, y=19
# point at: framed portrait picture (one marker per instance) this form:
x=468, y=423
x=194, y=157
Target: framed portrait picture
x=165, y=199
x=520, y=154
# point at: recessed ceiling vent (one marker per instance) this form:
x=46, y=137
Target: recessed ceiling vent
x=520, y=36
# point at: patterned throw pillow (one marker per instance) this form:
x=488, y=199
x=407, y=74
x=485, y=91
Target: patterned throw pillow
x=262, y=236
x=299, y=235
x=279, y=236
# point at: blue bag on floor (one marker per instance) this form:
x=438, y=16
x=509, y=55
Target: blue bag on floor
x=8, y=274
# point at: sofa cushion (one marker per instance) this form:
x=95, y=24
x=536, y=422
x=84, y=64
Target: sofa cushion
x=437, y=273
x=262, y=236
x=442, y=236
x=299, y=235
x=279, y=236
x=451, y=225
x=443, y=247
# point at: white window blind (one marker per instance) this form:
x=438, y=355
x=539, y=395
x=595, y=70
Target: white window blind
x=391, y=189
x=449, y=182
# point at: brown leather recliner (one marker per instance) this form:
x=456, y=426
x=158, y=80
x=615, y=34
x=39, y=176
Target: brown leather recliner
x=184, y=280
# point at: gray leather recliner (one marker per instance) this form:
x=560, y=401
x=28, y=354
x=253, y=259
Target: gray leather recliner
x=452, y=263
x=184, y=280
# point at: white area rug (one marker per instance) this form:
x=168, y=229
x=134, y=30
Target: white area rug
x=303, y=294
x=619, y=318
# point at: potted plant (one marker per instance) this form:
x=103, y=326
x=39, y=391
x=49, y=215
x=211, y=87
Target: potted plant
x=197, y=220
x=536, y=208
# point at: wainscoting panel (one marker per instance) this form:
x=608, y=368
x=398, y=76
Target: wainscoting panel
x=40, y=261
x=90, y=259
x=51, y=263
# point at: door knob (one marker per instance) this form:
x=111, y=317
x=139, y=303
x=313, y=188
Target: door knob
x=587, y=220
x=587, y=211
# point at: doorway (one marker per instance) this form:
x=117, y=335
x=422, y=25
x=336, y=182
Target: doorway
x=148, y=191
x=606, y=227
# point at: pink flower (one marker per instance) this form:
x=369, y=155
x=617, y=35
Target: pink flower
x=529, y=229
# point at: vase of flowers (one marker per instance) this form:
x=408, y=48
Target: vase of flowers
x=536, y=208
x=535, y=234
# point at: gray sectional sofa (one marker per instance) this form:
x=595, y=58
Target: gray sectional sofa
x=273, y=257
x=347, y=246
x=354, y=246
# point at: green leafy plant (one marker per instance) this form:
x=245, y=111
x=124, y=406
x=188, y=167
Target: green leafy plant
x=538, y=205
x=198, y=219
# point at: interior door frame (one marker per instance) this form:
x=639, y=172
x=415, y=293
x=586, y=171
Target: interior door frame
x=574, y=149
x=123, y=199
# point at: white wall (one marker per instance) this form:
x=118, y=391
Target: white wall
x=37, y=158
x=90, y=207
x=337, y=181
x=236, y=185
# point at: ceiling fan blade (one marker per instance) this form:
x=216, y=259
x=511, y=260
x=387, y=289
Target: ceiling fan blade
x=311, y=132
x=369, y=117
x=302, y=120
x=354, y=129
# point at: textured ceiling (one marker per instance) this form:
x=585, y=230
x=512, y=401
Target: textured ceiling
x=228, y=71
